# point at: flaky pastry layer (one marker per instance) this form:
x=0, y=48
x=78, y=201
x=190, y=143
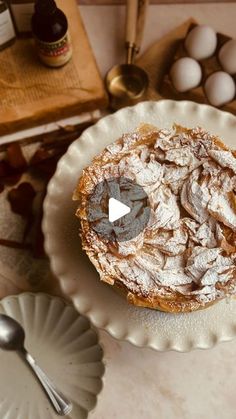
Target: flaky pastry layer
x=185, y=259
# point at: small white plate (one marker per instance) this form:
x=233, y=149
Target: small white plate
x=64, y=346
x=78, y=278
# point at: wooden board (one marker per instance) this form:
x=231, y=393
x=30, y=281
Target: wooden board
x=32, y=94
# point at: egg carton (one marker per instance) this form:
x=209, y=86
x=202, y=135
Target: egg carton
x=208, y=65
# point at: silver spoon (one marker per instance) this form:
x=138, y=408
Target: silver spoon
x=12, y=337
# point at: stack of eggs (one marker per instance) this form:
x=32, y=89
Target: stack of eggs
x=186, y=72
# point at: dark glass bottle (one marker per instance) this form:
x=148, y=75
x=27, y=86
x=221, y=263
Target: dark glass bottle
x=50, y=29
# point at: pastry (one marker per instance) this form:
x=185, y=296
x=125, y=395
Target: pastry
x=185, y=258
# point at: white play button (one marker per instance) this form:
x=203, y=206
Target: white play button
x=116, y=210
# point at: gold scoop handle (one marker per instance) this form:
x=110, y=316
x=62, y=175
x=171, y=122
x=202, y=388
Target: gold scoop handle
x=135, y=21
x=142, y=11
x=130, y=28
x=131, y=20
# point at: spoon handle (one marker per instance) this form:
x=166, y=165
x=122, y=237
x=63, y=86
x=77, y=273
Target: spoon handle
x=59, y=402
x=131, y=21
x=142, y=11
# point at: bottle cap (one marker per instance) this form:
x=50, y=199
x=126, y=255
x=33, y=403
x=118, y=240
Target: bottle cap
x=45, y=7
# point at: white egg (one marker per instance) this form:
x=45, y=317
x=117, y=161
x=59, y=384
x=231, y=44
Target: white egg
x=201, y=42
x=220, y=88
x=227, y=56
x=185, y=74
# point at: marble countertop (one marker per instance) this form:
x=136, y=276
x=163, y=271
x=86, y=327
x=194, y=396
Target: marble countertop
x=141, y=383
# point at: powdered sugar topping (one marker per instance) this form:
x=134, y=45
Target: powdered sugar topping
x=190, y=181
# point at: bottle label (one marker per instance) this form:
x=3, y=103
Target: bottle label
x=55, y=54
x=7, y=31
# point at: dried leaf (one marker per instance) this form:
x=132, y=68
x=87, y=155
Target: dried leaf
x=15, y=157
x=14, y=244
x=21, y=199
x=8, y=175
x=5, y=169
x=39, y=156
x=45, y=161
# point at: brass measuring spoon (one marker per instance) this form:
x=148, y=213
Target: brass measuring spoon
x=127, y=83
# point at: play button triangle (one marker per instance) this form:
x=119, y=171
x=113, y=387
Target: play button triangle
x=116, y=209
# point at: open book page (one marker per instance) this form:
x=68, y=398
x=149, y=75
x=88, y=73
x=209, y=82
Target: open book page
x=31, y=93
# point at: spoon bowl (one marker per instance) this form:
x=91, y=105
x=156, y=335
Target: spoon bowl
x=127, y=81
x=12, y=335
